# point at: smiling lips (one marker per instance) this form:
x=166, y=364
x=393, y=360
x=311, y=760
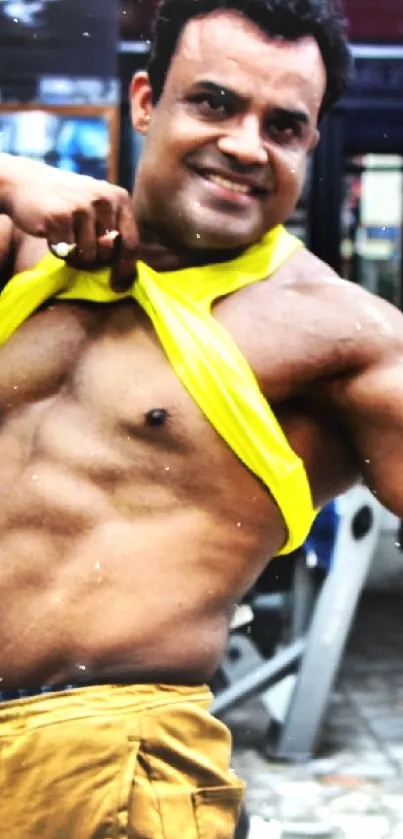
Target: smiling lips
x=233, y=186
x=238, y=186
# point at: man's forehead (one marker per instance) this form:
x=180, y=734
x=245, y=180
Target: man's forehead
x=205, y=34
x=233, y=49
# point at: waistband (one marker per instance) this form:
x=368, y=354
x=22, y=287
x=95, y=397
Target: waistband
x=24, y=693
x=53, y=705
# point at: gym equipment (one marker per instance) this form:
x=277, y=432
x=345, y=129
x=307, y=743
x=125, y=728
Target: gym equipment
x=295, y=684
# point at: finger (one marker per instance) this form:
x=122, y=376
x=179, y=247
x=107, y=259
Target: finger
x=105, y=216
x=106, y=252
x=126, y=249
x=85, y=237
x=60, y=230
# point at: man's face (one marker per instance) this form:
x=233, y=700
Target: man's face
x=227, y=143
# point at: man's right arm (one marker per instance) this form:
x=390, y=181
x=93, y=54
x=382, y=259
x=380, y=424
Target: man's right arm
x=7, y=250
x=59, y=206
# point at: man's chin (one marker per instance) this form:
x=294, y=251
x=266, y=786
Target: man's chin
x=220, y=240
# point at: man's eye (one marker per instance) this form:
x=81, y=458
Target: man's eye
x=209, y=104
x=284, y=132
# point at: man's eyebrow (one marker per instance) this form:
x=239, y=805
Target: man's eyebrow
x=219, y=89
x=293, y=114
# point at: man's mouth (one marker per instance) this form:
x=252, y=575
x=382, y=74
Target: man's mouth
x=236, y=186
x=242, y=189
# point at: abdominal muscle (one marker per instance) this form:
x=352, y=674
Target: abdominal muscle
x=117, y=600
x=123, y=551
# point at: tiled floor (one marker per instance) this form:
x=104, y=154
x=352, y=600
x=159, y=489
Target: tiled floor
x=353, y=788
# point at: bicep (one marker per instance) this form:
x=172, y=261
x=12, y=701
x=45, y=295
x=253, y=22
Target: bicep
x=371, y=408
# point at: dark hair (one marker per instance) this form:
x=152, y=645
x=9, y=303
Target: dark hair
x=288, y=19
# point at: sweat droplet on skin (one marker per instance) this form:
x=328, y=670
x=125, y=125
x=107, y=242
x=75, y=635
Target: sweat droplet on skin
x=98, y=568
x=167, y=468
x=358, y=327
x=379, y=320
x=35, y=477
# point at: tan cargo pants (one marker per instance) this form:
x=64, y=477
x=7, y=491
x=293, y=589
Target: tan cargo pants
x=116, y=762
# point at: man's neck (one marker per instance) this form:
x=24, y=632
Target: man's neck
x=165, y=255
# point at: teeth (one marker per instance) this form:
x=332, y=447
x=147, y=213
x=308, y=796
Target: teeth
x=242, y=188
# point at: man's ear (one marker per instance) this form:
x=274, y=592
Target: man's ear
x=315, y=140
x=141, y=102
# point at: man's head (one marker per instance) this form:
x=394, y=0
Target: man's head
x=230, y=108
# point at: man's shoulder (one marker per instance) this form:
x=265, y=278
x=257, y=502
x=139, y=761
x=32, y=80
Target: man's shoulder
x=309, y=277
x=339, y=324
x=306, y=272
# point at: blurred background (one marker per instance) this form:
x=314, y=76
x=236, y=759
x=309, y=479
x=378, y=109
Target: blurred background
x=312, y=682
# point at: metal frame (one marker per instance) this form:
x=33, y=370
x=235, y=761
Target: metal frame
x=297, y=698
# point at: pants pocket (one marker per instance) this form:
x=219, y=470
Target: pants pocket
x=126, y=790
x=68, y=781
x=217, y=810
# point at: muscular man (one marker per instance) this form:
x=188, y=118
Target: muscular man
x=147, y=474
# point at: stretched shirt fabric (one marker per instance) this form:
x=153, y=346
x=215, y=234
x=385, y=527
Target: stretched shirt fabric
x=201, y=351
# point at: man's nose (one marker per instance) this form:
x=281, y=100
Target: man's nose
x=244, y=142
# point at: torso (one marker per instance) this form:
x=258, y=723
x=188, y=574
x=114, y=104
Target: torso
x=124, y=547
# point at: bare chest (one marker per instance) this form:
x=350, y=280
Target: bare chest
x=100, y=372
x=93, y=387
x=92, y=390
x=109, y=361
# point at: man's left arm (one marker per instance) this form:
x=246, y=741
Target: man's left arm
x=369, y=401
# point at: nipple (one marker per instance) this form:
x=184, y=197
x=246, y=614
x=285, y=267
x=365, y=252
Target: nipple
x=157, y=417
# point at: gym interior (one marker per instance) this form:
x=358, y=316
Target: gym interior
x=312, y=681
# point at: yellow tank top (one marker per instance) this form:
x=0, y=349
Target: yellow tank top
x=201, y=351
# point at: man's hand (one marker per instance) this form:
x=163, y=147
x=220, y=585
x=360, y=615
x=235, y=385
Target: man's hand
x=60, y=206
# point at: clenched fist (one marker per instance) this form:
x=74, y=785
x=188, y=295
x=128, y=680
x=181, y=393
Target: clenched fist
x=60, y=206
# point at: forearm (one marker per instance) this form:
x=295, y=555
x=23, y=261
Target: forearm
x=8, y=173
x=49, y=204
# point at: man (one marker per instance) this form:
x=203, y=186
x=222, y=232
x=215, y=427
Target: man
x=147, y=473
